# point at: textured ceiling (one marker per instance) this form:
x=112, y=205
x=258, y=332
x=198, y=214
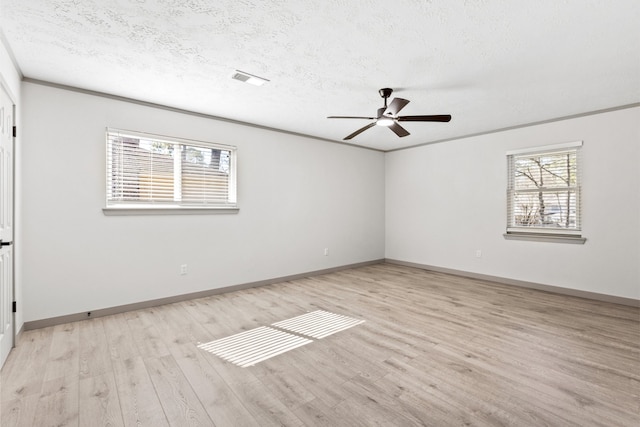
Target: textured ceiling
x=491, y=64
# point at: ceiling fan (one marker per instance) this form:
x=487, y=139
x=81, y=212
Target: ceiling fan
x=388, y=116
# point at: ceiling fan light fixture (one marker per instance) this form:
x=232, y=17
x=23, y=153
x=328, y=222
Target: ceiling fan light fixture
x=249, y=78
x=385, y=121
x=387, y=116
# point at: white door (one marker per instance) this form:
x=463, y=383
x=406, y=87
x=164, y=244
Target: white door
x=6, y=225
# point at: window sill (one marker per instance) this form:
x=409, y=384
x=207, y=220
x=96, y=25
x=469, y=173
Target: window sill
x=114, y=211
x=534, y=237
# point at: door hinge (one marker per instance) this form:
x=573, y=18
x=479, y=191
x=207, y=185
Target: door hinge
x=15, y=307
x=15, y=131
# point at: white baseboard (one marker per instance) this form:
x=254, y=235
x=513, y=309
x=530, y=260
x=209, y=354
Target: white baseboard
x=523, y=284
x=90, y=314
x=43, y=323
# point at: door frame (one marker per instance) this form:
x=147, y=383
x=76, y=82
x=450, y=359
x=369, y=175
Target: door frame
x=12, y=98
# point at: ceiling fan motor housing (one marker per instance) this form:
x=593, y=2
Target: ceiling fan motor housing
x=385, y=92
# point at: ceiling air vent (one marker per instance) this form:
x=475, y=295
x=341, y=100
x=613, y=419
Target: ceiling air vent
x=249, y=78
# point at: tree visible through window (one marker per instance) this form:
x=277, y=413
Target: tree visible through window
x=145, y=169
x=544, y=190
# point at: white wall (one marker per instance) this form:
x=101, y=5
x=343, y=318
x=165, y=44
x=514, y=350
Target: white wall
x=444, y=201
x=296, y=197
x=10, y=78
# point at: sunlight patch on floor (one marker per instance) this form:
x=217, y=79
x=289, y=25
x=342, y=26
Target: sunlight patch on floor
x=259, y=344
x=253, y=346
x=318, y=324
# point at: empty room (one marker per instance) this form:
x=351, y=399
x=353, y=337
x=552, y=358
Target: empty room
x=319, y=213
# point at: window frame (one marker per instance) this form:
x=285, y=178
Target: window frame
x=547, y=234
x=175, y=206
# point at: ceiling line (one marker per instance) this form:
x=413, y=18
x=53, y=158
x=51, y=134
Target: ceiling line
x=188, y=112
x=268, y=128
x=558, y=119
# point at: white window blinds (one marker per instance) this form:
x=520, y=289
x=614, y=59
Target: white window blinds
x=543, y=194
x=149, y=170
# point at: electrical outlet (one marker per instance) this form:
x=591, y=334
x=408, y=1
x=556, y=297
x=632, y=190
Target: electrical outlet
x=326, y=251
x=183, y=269
x=478, y=253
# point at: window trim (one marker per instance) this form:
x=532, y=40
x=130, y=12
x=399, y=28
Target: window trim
x=165, y=210
x=545, y=234
x=541, y=237
x=169, y=208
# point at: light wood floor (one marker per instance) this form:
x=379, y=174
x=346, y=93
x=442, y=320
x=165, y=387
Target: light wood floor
x=435, y=350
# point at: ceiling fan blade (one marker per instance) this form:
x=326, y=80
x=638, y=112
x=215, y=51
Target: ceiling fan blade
x=399, y=130
x=436, y=118
x=396, y=105
x=359, y=131
x=350, y=117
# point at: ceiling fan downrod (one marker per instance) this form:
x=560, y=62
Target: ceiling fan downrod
x=385, y=93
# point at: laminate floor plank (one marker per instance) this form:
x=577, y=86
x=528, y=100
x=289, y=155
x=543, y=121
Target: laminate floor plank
x=120, y=340
x=269, y=309
x=288, y=387
x=94, y=357
x=266, y=408
x=365, y=344
x=181, y=334
x=24, y=370
x=218, y=399
x=317, y=413
x=139, y=401
x=434, y=350
x=58, y=403
x=231, y=374
x=204, y=312
x=19, y=412
x=492, y=395
x=320, y=382
x=525, y=358
x=145, y=333
x=217, y=321
x=237, y=312
x=437, y=401
x=177, y=327
x=64, y=356
x=354, y=360
x=371, y=412
x=99, y=404
x=179, y=402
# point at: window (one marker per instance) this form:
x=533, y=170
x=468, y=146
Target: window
x=150, y=171
x=543, y=195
